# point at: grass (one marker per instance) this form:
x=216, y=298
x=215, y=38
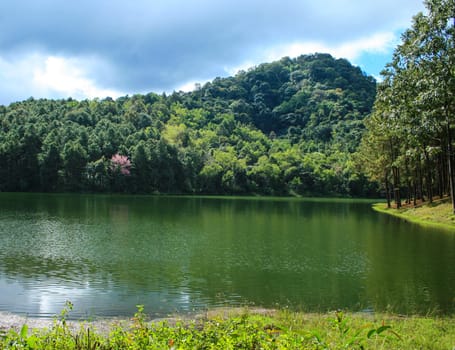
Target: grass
x=438, y=214
x=245, y=329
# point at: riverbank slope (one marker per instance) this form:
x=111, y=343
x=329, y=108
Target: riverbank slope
x=438, y=214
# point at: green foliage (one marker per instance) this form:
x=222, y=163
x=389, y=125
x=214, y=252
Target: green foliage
x=409, y=142
x=244, y=330
x=286, y=127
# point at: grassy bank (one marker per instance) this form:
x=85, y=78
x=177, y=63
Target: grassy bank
x=438, y=214
x=246, y=329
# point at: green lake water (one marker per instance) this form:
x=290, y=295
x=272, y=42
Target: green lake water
x=106, y=254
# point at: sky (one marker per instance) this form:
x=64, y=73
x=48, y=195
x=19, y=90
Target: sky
x=99, y=48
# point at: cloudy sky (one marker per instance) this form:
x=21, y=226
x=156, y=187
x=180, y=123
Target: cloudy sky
x=98, y=48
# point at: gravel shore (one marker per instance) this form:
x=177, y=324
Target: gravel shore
x=12, y=321
x=105, y=325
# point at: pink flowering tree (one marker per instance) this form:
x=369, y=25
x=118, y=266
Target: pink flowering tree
x=120, y=164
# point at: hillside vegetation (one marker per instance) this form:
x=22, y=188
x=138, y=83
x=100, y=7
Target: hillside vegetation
x=286, y=127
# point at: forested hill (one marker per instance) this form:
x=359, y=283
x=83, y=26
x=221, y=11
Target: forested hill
x=315, y=98
x=286, y=127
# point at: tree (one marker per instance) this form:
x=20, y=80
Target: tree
x=50, y=164
x=415, y=105
x=120, y=164
x=74, y=162
x=141, y=170
x=248, y=133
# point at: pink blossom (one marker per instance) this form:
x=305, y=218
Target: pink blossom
x=121, y=163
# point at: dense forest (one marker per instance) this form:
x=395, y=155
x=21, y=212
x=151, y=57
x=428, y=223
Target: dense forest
x=286, y=127
x=408, y=146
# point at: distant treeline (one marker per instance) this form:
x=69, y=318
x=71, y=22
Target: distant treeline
x=287, y=127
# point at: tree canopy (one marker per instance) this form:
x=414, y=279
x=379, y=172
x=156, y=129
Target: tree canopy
x=286, y=127
x=408, y=145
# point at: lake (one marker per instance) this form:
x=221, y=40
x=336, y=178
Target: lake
x=106, y=254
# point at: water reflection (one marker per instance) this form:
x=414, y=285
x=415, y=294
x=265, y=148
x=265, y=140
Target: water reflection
x=108, y=253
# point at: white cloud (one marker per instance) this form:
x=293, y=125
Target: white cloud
x=43, y=76
x=187, y=87
x=244, y=66
x=166, y=44
x=102, y=47
x=378, y=43
x=15, y=78
x=65, y=77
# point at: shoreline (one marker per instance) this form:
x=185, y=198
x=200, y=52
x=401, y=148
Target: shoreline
x=231, y=328
x=11, y=321
x=435, y=215
x=104, y=325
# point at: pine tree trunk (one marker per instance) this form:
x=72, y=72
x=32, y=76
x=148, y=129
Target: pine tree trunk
x=408, y=180
x=449, y=102
x=396, y=186
x=429, y=177
x=387, y=190
x=422, y=197
x=440, y=177
x=450, y=164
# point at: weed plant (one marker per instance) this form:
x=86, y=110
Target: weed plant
x=245, y=330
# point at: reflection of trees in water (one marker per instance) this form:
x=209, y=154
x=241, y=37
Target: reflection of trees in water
x=118, y=213
x=411, y=268
x=28, y=267
x=69, y=273
x=316, y=254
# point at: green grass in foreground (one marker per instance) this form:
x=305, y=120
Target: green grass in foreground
x=437, y=214
x=247, y=330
